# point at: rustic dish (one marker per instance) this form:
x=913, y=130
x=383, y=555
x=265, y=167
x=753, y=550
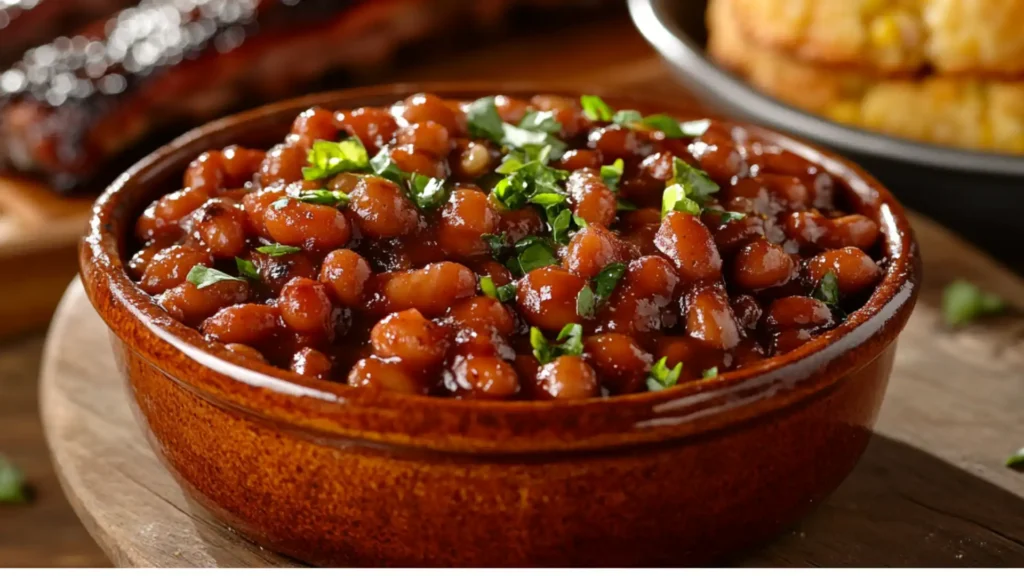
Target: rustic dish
x=364, y=477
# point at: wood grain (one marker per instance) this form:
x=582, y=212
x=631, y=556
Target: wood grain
x=930, y=491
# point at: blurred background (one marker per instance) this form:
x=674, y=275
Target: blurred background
x=928, y=96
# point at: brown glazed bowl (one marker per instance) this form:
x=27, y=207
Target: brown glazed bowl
x=333, y=475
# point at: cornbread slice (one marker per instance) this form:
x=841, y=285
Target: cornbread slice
x=953, y=111
x=893, y=36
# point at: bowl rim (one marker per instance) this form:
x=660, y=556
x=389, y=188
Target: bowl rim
x=336, y=412
x=655, y=22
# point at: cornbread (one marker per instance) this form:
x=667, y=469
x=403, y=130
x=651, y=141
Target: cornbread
x=892, y=36
x=948, y=110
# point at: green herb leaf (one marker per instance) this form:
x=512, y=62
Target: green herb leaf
x=627, y=118
x=324, y=197
x=674, y=199
x=247, y=269
x=532, y=253
x=624, y=206
x=537, y=121
x=607, y=279
x=382, y=165
x=711, y=372
x=661, y=377
x=571, y=336
x=546, y=199
x=561, y=226
x=698, y=186
x=963, y=302
x=500, y=293
x=694, y=128
x=1016, y=460
x=725, y=216
x=586, y=302
x=580, y=222
x=427, y=193
x=568, y=343
x=278, y=250
x=665, y=124
x=595, y=108
x=498, y=243
x=483, y=120
x=612, y=173
x=515, y=137
x=827, y=289
x=327, y=158
x=12, y=483
x=201, y=276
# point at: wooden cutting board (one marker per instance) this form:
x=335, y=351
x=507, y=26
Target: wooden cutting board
x=931, y=489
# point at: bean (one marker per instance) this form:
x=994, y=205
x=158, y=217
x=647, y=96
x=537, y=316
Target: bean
x=791, y=191
x=345, y=274
x=520, y=223
x=205, y=173
x=689, y=245
x=736, y=234
x=466, y=217
x=614, y=142
x=242, y=324
x=428, y=107
x=620, y=363
x=380, y=209
x=170, y=266
x=482, y=341
x=811, y=229
x=694, y=354
x=721, y=160
x=510, y=109
x=313, y=363
x=482, y=313
x=276, y=271
x=630, y=313
x=578, y=160
x=590, y=198
x=407, y=335
x=373, y=126
x=567, y=112
x=190, y=305
x=315, y=124
x=483, y=377
x=567, y=378
x=470, y=159
x=547, y=297
x=652, y=277
x=747, y=311
x=247, y=352
x=408, y=159
x=497, y=271
x=379, y=374
x=798, y=312
x=855, y=271
x=788, y=340
x=761, y=265
x=709, y=317
x=312, y=226
x=162, y=219
x=305, y=307
x=256, y=204
x=432, y=289
x=593, y=248
x=221, y=225
x=527, y=367
x=140, y=261
x=283, y=163
x=428, y=138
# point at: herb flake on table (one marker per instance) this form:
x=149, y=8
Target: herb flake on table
x=12, y=483
x=963, y=303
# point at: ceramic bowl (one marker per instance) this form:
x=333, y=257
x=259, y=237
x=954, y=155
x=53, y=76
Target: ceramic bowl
x=333, y=475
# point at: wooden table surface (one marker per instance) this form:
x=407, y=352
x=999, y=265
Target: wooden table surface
x=47, y=533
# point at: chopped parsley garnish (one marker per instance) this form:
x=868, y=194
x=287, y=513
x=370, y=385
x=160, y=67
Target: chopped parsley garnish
x=698, y=185
x=12, y=483
x=484, y=121
x=532, y=182
x=589, y=299
x=568, y=343
x=661, y=377
x=963, y=302
x=329, y=158
x=427, y=193
x=537, y=121
x=561, y=225
x=627, y=118
x=246, y=269
x=531, y=253
x=725, y=216
x=202, y=276
x=611, y=174
x=595, y=108
x=501, y=293
x=1016, y=460
x=498, y=243
x=674, y=199
x=673, y=128
x=382, y=165
x=278, y=250
x=827, y=289
x=324, y=197
x=711, y=372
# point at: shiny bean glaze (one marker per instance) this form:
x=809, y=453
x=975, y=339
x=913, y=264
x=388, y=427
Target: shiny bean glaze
x=468, y=260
